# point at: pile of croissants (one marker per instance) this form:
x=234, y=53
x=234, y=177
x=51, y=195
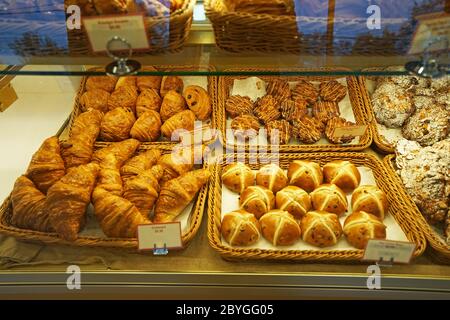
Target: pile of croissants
x=145, y=107
x=125, y=188
x=306, y=203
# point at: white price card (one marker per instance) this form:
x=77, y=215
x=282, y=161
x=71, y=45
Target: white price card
x=130, y=27
x=160, y=235
x=430, y=27
x=354, y=131
x=386, y=250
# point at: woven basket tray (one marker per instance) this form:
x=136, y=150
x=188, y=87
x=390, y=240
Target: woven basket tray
x=165, y=34
x=399, y=209
x=437, y=249
x=354, y=92
x=212, y=91
x=90, y=241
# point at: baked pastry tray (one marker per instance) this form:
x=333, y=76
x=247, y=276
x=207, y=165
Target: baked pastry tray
x=439, y=250
x=92, y=235
x=400, y=219
x=352, y=109
x=207, y=82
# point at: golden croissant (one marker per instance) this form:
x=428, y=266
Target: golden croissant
x=143, y=190
x=139, y=163
x=149, y=99
x=172, y=104
x=116, y=124
x=118, y=217
x=68, y=198
x=147, y=128
x=122, y=150
x=78, y=149
x=109, y=175
x=178, y=124
x=176, y=194
x=46, y=166
x=29, y=207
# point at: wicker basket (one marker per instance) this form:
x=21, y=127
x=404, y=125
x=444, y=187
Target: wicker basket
x=402, y=212
x=90, y=241
x=437, y=249
x=212, y=91
x=165, y=34
x=354, y=92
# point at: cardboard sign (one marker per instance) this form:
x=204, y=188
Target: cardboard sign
x=430, y=26
x=160, y=235
x=130, y=27
x=386, y=250
x=354, y=131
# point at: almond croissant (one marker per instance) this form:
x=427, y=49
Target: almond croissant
x=29, y=207
x=68, y=198
x=176, y=194
x=139, y=163
x=109, y=175
x=46, y=166
x=143, y=190
x=78, y=149
x=122, y=150
x=118, y=217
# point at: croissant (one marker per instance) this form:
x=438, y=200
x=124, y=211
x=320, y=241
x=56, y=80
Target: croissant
x=149, y=99
x=109, y=175
x=68, y=198
x=29, y=207
x=126, y=81
x=139, y=163
x=184, y=120
x=198, y=101
x=46, y=166
x=143, y=190
x=118, y=217
x=122, y=150
x=149, y=82
x=172, y=104
x=106, y=83
x=176, y=194
x=95, y=99
x=78, y=149
x=116, y=124
x=147, y=127
x=171, y=83
x=123, y=97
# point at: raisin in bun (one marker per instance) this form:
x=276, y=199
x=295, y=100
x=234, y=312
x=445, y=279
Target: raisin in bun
x=272, y=177
x=321, y=229
x=237, y=177
x=305, y=174
x=280, y=228
x=361, y=226
x=240, y=228
x=342, y=173
x=294, y=200
x=257, y=200
x=370, y=199
x=329, y=198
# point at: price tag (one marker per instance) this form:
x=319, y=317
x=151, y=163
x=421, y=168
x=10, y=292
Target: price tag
x=430, y=26
x=386, y=250
x=156, y=236
x=354, y=131
x=130, y=27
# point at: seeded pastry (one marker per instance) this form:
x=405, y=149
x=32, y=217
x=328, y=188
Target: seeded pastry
x=292, y=110
x=305, y=90
x=279, y=131
x=266, y=109
x=279, y=89
x=238, y=105
x=332, y=91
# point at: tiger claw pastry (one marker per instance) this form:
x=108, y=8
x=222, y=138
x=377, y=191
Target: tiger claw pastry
x=46, y=166
x=169, y=83
x=305, y=90
x=266, y=109
x=278, y=132
x=116, y=124
x=123, y=97
x=172, y=104
x=293, y=110
x=257, y=200
x=238, y=105
x=237, y=177
x=240, y=228
x=198, y=101
x=332, y=91
x=106, y=83
x=95, y=99
x=279, y=89
x=321, y=229
x=149, y=99
x=245, y=126
x=147, y=127
x=338, y=122
x=325, y=110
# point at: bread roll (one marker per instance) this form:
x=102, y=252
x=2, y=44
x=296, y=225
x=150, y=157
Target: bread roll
x=294, y=200
x=257, y=200
x=305, y=174
x=238, y=176
x=240, y=228
x=272, y=177
x=171, y=83
x=321, y=229
x=342, y=173
x=370, y=199
x=329, y=198
x=280, y=228
x=172, y=104
x=361, y=226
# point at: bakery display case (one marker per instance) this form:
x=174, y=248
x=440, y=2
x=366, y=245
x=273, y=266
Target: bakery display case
x=225, y=149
